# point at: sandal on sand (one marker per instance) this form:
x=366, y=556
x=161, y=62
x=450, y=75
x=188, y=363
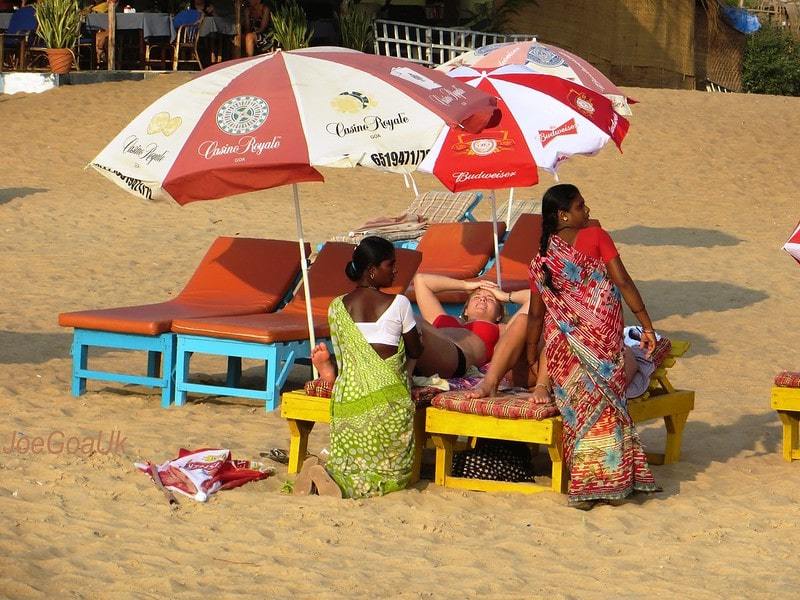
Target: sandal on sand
x=279, y=455
x=583, y=504
x=304, y=481
x=324, y=483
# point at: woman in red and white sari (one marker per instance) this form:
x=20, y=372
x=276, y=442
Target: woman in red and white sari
x=577, y=283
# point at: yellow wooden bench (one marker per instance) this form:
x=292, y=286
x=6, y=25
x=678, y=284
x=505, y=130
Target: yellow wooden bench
x=661, y=400
x=302, y=412
x=786, y=400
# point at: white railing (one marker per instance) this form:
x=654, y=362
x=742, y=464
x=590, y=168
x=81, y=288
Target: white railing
x=432, y=46
x=715, y=87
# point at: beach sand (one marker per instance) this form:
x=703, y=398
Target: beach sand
x=699, y=204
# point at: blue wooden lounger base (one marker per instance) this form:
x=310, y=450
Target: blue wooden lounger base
x=160, y=360
x=279, y=358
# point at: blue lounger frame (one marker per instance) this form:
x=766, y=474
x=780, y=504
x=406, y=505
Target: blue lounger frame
x=156, y=346
x=279, y=358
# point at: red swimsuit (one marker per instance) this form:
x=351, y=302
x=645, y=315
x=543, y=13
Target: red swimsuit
x=488, y=332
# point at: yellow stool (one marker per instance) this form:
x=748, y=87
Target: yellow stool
x=786, y=400
x=302, y=412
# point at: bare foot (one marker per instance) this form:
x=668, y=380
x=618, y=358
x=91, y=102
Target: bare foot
x=321, y=359
x=325, y=484
x=304, y=480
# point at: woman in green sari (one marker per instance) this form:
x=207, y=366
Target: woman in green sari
x=372, y=414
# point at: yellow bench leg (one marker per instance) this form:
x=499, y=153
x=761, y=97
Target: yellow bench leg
x=558, y=473
x=444, y=456
x=298, y=444
x=672, y=452
x=675, y=425
x=791, y=434
x=419, y=445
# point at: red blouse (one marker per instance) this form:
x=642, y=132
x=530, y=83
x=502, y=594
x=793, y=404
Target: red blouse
x=595, y=242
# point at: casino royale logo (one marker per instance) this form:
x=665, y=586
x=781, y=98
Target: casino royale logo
x=247, y=145
x=242, y=114
x=148, y=152
x=548, y=135
x=446, y=96
x=369, y=124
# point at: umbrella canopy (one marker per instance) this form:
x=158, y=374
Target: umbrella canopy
x=544, y=120
x=271, y=120
x=546, y=60
x=792, y=245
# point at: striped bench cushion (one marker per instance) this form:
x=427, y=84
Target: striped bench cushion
x=790, y=379
x=510, y=406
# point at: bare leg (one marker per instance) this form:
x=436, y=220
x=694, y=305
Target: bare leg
x=321, y=359
x=250, y=44
x=440, y=354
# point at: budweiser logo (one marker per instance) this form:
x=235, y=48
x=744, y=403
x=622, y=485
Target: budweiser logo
x=548, y=135
x=462, y=176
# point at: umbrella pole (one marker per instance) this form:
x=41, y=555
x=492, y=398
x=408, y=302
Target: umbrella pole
x=304, y=268
x=510, y=204
x=496, y=240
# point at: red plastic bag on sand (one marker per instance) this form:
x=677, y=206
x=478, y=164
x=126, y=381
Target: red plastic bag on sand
x=200, y=473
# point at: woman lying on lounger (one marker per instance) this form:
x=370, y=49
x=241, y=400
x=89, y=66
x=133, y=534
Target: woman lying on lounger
x=452, y=345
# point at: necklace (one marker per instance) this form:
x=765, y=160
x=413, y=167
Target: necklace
x=367, y=286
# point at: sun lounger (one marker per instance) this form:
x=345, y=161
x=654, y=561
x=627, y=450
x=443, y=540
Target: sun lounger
x=444, y=426
x=302, y=412
x=279, y=339
x=786, y=400
x=518, y=208
x=236, y=276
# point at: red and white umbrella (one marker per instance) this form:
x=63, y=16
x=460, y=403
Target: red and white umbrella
x=792, y=245
x=271, y=120
x=546, y=60
x=544, y=120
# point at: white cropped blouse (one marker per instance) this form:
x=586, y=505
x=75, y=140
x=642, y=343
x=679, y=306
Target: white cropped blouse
x=394, y=322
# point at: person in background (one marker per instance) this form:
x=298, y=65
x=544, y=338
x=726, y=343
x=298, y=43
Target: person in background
x=255, y=24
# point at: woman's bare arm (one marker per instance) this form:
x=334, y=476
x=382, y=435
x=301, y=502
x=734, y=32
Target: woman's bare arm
x=619, y=275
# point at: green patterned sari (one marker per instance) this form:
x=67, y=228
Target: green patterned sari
x=372, y=414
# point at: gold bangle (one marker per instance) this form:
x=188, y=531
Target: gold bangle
x=509, y=296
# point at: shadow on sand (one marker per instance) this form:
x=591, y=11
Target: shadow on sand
x=9, y=194
x=668, y=298
x=687, y=237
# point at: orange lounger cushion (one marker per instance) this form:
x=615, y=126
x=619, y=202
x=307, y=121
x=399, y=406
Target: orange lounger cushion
x=237, y=276
x=458, y=250
x=283, y=326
